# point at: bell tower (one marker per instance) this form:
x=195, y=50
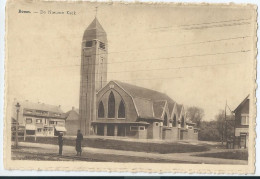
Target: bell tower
x=93, y=73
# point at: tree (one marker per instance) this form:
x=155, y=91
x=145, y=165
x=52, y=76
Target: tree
x=215, y=130
x=208, y=131
x=220, y=124
x=225, y=125
x=195, y=114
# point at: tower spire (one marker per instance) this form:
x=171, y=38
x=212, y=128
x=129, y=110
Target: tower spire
x=93, y=77
x=96, y=10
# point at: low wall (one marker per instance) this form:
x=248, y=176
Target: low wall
x=190, y=135
x=173, y=147
x=170, y=134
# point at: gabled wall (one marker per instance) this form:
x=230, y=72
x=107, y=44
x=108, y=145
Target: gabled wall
x=119, y=93
x=243, y=109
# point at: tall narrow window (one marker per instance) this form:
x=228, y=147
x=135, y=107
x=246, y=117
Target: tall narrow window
x=165, y=120
x=121, y=110
x=101, y=111
x=111, y=105
x=174, y=121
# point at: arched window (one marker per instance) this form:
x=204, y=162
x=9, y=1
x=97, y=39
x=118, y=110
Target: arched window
x=111, y=105
x=182, y=121
x=101, y=111
x=165, y=120
x=174, y=121
x=121, y=110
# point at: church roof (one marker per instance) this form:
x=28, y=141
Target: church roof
x=95, y=31
x=149, y=103
x=137, y=91
x=158, y=107
x=179, y=108
x=95, y=25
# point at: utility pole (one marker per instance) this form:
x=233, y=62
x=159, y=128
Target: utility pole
x=16, y=124
x=226, y=120
x=222, y=131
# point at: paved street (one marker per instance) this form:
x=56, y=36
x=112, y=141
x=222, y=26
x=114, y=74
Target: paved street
x=96, y=154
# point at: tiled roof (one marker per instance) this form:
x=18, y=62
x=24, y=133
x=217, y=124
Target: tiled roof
x=247, y=98
x=95, y=31
x=149, y=103
x=144, y=107
x=179, y=107
x=72, y=114
x=158, y=107
x=40, y=106
x=137, y=91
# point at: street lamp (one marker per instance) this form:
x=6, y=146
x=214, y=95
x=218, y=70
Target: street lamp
x=16, y=124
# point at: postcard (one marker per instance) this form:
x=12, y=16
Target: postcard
x=130, y=87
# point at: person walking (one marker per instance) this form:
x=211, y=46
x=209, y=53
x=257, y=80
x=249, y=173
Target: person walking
x=60, y=141
x=78, y=143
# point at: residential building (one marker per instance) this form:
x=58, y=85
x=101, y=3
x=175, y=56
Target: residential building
x=72, y=121
x=40, y=119
x=242, y=124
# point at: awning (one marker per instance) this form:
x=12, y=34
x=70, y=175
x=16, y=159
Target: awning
x=30, y=127
x=60, y=128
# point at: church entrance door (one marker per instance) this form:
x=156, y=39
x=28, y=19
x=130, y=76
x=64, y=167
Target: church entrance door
x=110, y=130
x=121, y=130
x=100, y=130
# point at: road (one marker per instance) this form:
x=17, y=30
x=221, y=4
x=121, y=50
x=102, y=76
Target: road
x=110, y=155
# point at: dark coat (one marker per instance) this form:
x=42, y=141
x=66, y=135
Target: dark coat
x=78, y=142
x=60, y=140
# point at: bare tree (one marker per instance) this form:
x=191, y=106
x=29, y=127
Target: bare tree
x=195, y=114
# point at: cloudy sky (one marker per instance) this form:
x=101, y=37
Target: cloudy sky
x=198, y=55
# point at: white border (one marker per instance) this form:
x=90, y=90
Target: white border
x=63, y=173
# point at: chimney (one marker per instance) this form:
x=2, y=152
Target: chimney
x=73, y=108
x=59, y=106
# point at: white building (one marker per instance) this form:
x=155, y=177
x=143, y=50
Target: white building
x=40, y=119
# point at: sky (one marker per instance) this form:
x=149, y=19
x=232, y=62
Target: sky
x=199, y=55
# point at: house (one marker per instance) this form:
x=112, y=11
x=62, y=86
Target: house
x=120, y=109
x=242, y=124
x=39, y=119
x=72, y=121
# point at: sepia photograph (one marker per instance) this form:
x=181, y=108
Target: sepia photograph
x=162, y=87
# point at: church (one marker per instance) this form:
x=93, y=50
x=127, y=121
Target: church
x=120, y=109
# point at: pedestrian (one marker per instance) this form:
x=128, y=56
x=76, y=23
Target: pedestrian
x=60, y=141
x=78, y=142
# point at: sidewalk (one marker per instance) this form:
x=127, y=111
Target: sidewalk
x=183, y=157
